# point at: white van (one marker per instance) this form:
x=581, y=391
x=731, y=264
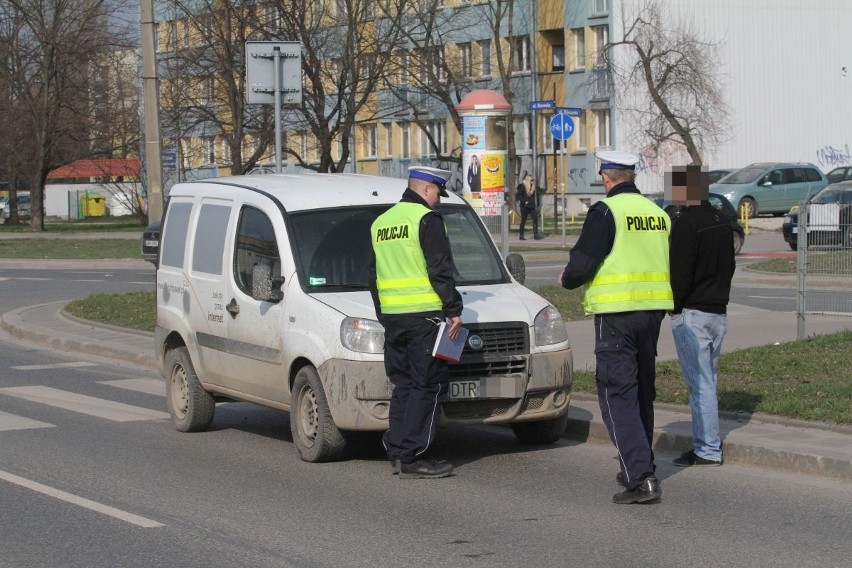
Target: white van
x=262, y=297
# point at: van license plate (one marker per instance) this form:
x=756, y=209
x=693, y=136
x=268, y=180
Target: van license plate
x=464, y=389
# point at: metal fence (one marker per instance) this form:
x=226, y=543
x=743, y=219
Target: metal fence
x=824, y=262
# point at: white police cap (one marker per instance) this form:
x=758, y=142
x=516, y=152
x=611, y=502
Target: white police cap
x=615, y=160
x=434, y=175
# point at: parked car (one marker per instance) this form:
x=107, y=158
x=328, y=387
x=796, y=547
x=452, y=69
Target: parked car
x=24, y=207
x=842, y=173
x=770, y=187
x=151, y=243
x=829, y=219
x=717, y=201
x=716, y=175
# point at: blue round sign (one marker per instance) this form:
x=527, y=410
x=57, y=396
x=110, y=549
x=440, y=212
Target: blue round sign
x=561, y=126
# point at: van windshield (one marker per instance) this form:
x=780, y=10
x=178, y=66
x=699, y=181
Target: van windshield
x=744, y=175
x=333, y=248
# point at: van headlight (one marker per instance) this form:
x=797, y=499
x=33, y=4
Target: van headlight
x=362, y=335
x=549, y=327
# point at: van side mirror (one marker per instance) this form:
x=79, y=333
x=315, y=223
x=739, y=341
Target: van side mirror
x=263, y=286
x=517, y=267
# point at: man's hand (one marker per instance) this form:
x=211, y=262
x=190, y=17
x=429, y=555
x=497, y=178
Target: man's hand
x=455, y=324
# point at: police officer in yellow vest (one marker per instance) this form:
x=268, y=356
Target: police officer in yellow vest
x=622, y=257
x=413, y=289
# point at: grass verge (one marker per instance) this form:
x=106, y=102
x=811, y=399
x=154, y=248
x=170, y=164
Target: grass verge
x=134, y=310
x=48, y=248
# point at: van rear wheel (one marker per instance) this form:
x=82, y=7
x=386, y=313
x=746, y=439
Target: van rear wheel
x=315, y=435
x=541, y=431
x=190, y=406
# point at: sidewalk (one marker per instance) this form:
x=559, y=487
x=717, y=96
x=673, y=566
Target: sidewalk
x=756, y=440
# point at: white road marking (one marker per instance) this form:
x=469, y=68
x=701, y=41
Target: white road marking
x=12, y=422
x=100, y=408
x=772, y=297
x=54, y=366
x=81, y=501
x=147, y=386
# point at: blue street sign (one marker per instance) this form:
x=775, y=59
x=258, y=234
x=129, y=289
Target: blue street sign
x=570, y=111
x=168, y=160
x=542, y=105
x=561, y=126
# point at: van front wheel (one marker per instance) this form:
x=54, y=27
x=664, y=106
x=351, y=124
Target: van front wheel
x=190, y=406
x=541, y=431
x=315, y=435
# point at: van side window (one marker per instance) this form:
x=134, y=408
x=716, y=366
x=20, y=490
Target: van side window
x=174, y=234
x=812, y=175
x=256, y=246
x=209, y=245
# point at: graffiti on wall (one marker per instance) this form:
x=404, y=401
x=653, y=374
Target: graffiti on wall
x=829, y=156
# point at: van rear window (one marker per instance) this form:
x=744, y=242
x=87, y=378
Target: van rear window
x=174, y=234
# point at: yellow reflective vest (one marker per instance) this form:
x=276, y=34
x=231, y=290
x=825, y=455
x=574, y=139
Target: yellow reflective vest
x=635, y=274
x=401, y=276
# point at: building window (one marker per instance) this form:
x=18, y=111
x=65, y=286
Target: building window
x=485, y=57
x=405, y=129
x=436, y=130
x=546, y=135
x=558, y=58
x=185, y=149
x=578, y=140
x=579, y=37
x=225, y=152
x=521, y=126
x=208, y=148
x=370, y=141
x=521, y=54
x=602, y=128
x=303, y=146
x=388, y=127
x=404, y=63
x=601, y=39
x=465, y=60
x=600, y=7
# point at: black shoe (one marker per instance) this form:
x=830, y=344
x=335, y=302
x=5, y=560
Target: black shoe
x=396, y=465
x=619, y=479
x=648, y=491
x=425, y=468
x=690, y=458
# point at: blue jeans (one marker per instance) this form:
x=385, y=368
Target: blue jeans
x=698, y=339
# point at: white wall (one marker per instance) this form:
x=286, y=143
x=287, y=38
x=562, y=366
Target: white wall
x=57, y=202
x=789, y=97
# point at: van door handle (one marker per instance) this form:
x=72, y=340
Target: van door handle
x=233, y=308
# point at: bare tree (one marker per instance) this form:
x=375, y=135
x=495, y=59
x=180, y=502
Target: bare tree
x=669, y=82
x=47, y=50
x=203, y=71
x=346, y=47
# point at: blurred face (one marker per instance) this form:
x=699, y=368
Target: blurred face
x=687, y=185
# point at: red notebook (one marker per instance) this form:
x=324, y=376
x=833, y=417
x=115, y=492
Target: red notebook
x=447, y=348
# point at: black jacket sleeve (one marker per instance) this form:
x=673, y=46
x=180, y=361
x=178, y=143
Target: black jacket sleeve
x=439, y=263
x=594, y=244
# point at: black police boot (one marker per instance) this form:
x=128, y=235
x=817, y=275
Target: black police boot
x=649, y=491
x=425, y=469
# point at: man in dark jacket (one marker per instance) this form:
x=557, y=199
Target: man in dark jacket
x=702, y=266
x=413, y=289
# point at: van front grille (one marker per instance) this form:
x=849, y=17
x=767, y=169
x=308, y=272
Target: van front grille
x=478, y=409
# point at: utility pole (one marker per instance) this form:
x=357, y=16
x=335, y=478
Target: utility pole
x=151, y=103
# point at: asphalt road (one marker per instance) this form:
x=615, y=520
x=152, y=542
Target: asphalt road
x=92, y=473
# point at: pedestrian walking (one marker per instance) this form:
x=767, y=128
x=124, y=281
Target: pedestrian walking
x=526, y=196
x=622, y=258
x=413, y=290
x=702, y=267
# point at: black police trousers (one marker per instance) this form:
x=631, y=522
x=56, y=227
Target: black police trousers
x=420, y=384
x=625, y=355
